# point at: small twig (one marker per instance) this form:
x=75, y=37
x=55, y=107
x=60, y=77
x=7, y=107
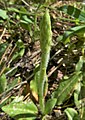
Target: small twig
x=59, y=51
x=25, y=3
x=1, y=72
x=5, y=53
x=35, y=53
x=9, y=57
x=11, y=70
x=26, y=96
x=11, y=53
x=2, y=34
x=2, y=101
x=30, y=77
x=50, y=73
x=17, y=85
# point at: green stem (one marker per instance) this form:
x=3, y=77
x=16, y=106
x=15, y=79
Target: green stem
x=43, y=67
x=45, y=44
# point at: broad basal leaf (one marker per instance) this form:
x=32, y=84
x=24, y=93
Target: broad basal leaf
x=65, y=88
x=19, y=109
x=50, y=105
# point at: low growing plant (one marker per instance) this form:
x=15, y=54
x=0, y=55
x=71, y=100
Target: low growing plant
x=72, y=85
x=17, y=108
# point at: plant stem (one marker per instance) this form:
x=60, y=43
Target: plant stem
x=43, y=67
x=45, y=44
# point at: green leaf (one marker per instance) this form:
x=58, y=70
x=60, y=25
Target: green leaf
x=26, y=20
x=77, y=94
x=83, y=116
x=13, y=9
x=73, y=12
x=80, y=103
x=20, y=44
x=65, y=88
x=79, y=65
x=78, y=14
x=34, y=85
x=79, y=31
x=71, y=113
x=82, y=92
x=3, y=47
x=83, y=72
x=19, y=109
x=17, y=11
x=3, y=14
x=3, y=83
x=20, y=50
x=50, y=105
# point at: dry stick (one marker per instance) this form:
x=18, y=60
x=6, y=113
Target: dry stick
x=50, y=73
x=4, y=67
x=11, y=54
x=17, y=86
x=59, y=51
x=2, y=70
x=11, y=70
x=2, y=34
x=25, y=3
x=34, y=54
x=3, y=100
x=5, y=53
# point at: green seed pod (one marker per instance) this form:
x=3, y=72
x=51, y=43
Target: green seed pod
x=45, y=33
